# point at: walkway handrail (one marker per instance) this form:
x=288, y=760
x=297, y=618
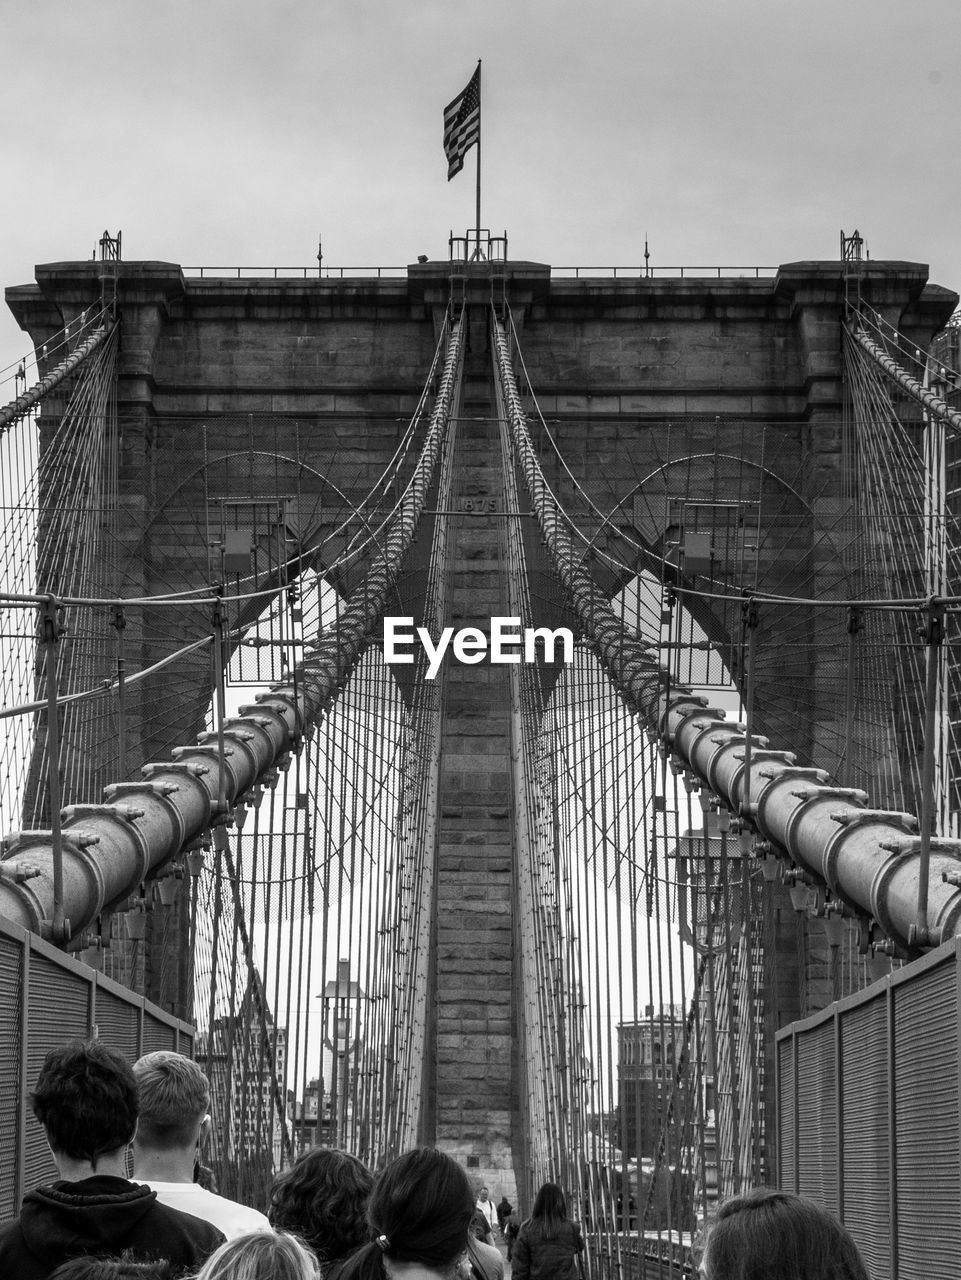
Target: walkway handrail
x=108, y=850
x=870, y=859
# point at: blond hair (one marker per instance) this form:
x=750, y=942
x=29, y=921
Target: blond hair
x=174, y=1099
x=261, y=1255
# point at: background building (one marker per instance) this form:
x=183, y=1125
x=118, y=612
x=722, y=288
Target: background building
x=647, y=1062
x=245, y=1058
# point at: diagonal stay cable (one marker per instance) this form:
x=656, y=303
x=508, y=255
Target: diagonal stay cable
x=921, y=394
x=111, y=848
x=25, y=402
x=872, y=860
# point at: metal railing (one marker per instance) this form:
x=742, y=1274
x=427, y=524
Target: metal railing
x=558, y=273
x=51, y=999
x=662, y=273
x=294, y=273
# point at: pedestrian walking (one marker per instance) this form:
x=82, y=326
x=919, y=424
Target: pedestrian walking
x=548, y=1243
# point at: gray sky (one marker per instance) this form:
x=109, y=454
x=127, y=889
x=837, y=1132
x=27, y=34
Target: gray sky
x=227, y=132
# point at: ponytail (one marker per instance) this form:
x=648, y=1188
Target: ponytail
x=366, y=1264
x=419, y=1211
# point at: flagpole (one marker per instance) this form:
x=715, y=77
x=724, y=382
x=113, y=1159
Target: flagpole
x=478, y=221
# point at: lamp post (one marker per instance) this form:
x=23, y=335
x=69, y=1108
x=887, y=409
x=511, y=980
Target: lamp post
x=341, y=997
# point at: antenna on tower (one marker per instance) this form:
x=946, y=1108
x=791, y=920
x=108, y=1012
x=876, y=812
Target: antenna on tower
x=852, y=248
x=647, y=257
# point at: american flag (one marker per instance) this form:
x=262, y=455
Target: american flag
x=462, y=125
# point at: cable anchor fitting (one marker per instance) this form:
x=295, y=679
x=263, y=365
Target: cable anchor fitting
x=934, y=624
x=52, y=620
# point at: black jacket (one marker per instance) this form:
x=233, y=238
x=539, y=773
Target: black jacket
x=100, y=1216
x=539, y=1257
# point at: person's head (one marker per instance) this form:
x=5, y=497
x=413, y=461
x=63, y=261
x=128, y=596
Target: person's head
x=549, y=1209
x=204, y=1176
x=483, y=1193
x=126, y=1267
x=480, y=1227
x=323, y=1198
x=773, y=1233
x=419, y=1211
x=261, y=1255
x=86, y=1100
x=174, y=1101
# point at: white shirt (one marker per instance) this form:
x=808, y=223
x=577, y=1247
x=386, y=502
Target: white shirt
x=228, y=1216
x=490, y=1213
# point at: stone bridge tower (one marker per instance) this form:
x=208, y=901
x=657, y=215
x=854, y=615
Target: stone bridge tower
x=300, y=390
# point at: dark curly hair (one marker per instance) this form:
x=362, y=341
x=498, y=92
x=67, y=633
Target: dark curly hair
x=126, y=1267
x=323, y=1199
x=86, y=1099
